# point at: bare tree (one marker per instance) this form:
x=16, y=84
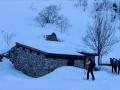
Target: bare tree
x=48, y=15
x=84, y=4
x=63, y=23
x=100, y=36
x=78, y=3
x=119, y=10
x=104, y=5
x=8, y=37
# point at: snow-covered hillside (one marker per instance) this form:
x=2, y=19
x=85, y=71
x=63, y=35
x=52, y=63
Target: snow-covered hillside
x=17, y=18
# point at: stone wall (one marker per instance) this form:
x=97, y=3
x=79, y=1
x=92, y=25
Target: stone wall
x=51, y=64
x=32, y=64
x=79, y=63
x=28, y=63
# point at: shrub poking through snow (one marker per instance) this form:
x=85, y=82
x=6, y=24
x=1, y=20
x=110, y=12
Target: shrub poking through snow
x=50, y=15
x=104, y=5
x=62, y=23
x=8, y=37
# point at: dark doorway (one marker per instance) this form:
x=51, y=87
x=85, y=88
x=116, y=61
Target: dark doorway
x=70, y=62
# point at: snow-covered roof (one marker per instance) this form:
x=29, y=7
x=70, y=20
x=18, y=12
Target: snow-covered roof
x=53, y=47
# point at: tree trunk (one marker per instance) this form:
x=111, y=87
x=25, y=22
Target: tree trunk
x=99, y=59
x=98, y=55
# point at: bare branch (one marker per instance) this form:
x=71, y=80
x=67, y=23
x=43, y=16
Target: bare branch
x=100, y=36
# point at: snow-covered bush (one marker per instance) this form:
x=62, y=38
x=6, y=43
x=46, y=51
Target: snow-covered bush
x=84, y=4
x=62, y=23
x=78, y=3
x=115, y=7
x=48, y=15
x=8, y=37
x=119, y=13
x=102, y=6
x=81, y=3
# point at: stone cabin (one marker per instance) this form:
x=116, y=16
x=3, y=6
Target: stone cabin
x=36, y=63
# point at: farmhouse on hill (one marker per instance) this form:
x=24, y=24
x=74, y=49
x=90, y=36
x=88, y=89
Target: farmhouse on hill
x=36, y=63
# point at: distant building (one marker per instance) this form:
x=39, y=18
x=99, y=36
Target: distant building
x=36, y=63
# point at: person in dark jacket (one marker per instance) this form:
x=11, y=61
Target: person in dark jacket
x=112, y=62
x=118, y=66
x=1, y=57
x=115, y=65
x=90, y=66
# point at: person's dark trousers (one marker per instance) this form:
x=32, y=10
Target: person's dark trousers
x=90, y=71
x=115, y=68
x=118, y=69
x=112, y=68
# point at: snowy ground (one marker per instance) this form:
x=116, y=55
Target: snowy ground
x=18, y=17
x=64, y=78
